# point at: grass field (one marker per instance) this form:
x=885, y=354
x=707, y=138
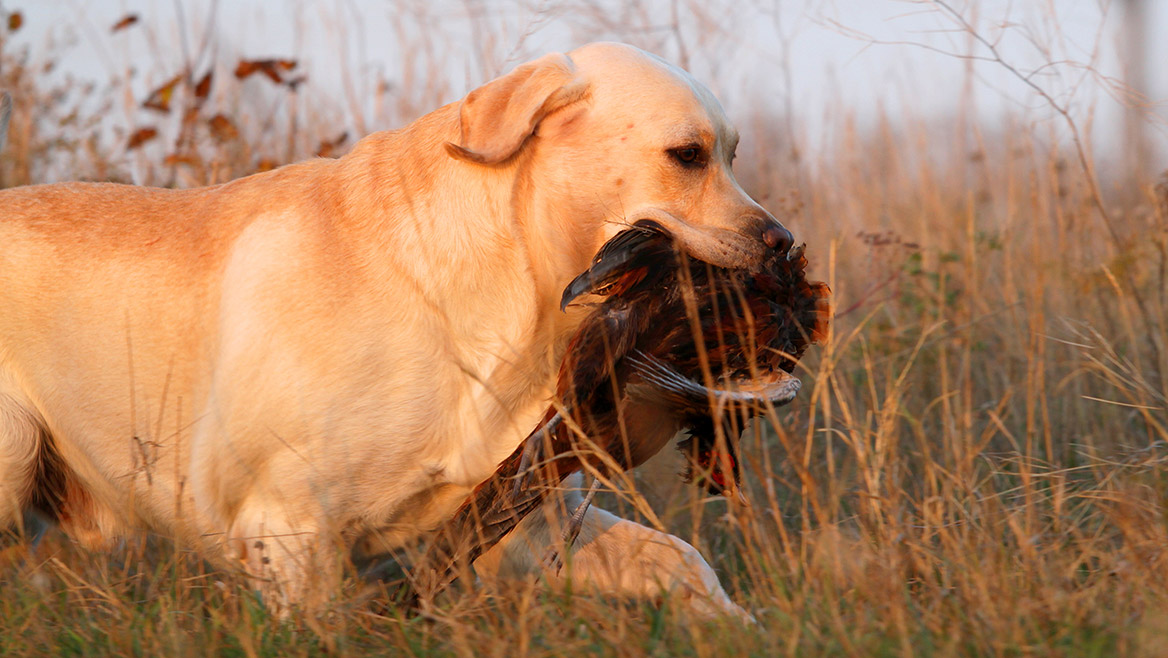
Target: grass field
x=975, y=466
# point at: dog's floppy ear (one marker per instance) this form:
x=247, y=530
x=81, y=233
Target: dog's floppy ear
x=498, y=117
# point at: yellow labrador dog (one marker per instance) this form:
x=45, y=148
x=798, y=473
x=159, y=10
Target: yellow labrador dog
x=338, y=351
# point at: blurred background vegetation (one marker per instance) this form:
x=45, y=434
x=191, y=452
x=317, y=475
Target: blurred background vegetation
x=976, y=462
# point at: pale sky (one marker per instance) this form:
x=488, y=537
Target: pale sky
x=822, y=59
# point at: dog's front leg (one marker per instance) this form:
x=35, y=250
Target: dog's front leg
x=293, y=566
x=611, y=556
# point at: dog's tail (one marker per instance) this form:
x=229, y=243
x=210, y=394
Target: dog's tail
x=5, y=113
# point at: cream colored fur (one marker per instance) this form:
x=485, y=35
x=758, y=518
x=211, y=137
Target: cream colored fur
x=339, y=350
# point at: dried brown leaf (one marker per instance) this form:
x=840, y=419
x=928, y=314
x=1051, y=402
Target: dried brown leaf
x=273, y=69
x=189, y=159
x=222, y=129
x=203, y=88
x=126, y=21
x=141, y=136
x=328, y=148
x=161, y=97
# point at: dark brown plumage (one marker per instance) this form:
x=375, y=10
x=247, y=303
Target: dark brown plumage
x=634, y=363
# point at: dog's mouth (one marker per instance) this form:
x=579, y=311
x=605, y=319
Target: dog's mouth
x=718, y=247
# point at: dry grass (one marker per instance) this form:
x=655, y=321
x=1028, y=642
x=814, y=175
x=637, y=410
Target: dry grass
x=976, y=465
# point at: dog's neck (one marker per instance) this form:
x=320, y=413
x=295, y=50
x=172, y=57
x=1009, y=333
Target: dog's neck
x=404, y=187
x=477, y=236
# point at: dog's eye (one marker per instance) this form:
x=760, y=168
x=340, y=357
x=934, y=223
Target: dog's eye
x=689, y=156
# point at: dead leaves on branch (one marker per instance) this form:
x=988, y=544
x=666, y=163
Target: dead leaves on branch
x=188, y=94
x=161, y=98
x=275, y=70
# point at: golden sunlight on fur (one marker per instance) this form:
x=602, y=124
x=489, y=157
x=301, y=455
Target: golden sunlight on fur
x=334, y=353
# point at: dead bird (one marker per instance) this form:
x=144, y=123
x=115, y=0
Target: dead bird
x=636, y=372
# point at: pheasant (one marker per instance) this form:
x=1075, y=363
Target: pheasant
x=634, y=362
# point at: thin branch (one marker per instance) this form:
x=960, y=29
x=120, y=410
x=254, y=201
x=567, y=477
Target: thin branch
x=1084, y=163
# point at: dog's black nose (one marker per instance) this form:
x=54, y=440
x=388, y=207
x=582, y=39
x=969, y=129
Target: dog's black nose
x=777, y=237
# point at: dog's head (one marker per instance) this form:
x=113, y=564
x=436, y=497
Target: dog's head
x=613, y=136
